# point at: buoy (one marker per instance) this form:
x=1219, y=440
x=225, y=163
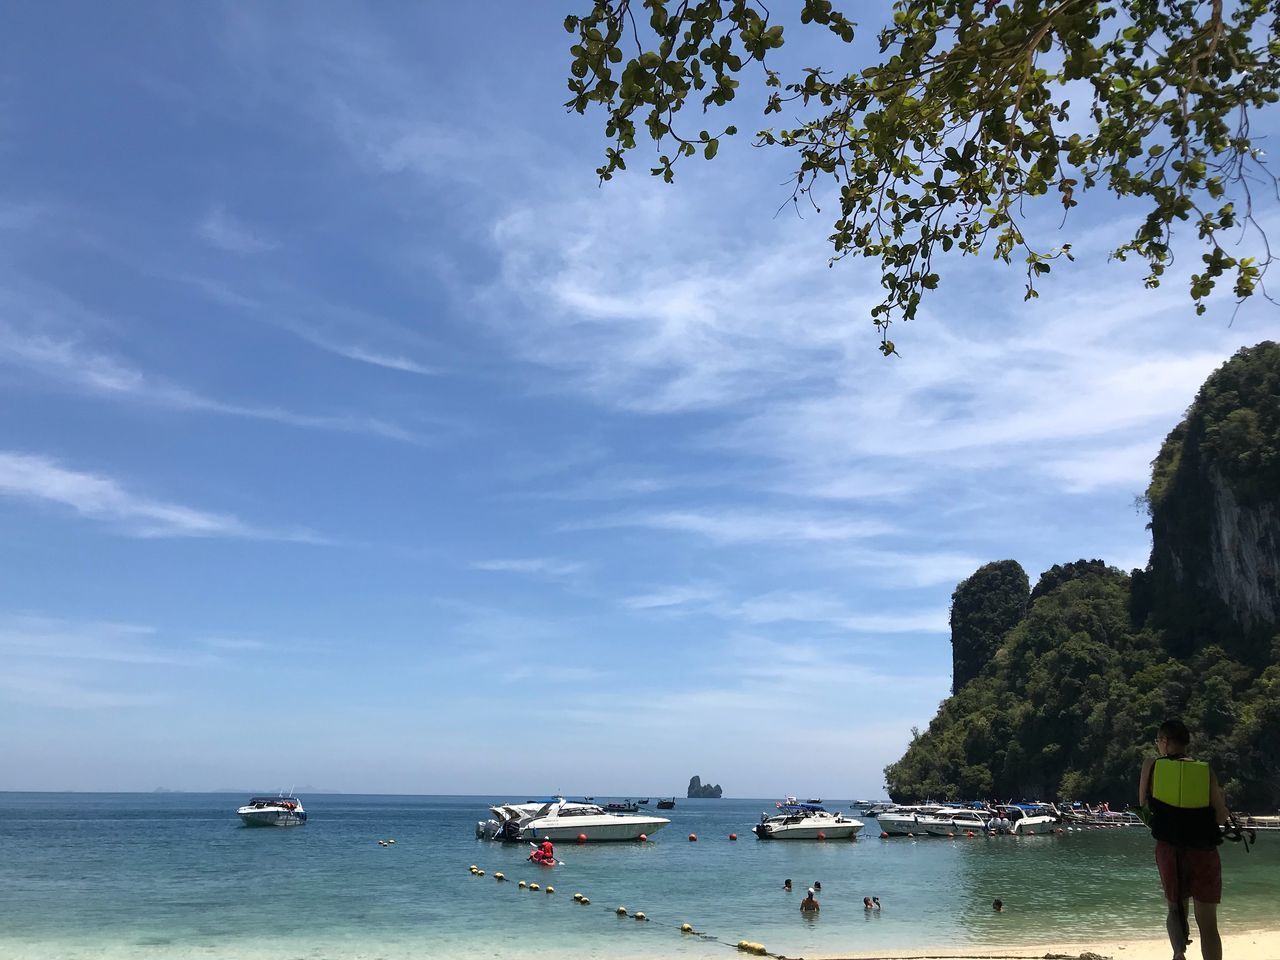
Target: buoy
x=969, y=833
x=693, y=838
x=551, y=889
x=621, y=911
x=390, y=841
x=643, y=838
x=884, y=835
x=582, y=838
x=522, y=884
x=640, y=915
x=479, y=873
x=577, y=896
x=911, y=835
x=743, y=945
x=499, y=876
x=733, y=836
x=584, y=901
x=686, y=928
x=821, y=835
x=758, y=949
x=534, y=886
x=951, y=836
x=473, y=868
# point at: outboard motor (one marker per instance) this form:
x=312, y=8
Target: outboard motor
x=487, y=829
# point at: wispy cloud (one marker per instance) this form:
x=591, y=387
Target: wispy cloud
x=227, y=233
x=729, y=527
x=536, y=566
x=67, y=360
x=36, y=478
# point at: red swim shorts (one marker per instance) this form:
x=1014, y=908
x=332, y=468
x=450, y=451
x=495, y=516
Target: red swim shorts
x=1189, y=872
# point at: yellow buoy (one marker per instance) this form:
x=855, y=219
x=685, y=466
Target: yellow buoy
x=758, y=949
x=473, y=868
x=577, y=896
x=551, y=889
x=686, y=928
x=479, y=873
x=522, y=884
x=640, y=915
x=621, y=911
x=584, y=901
x=743, y=945
x=534, y=886
x=390, y=841
x=499, y=876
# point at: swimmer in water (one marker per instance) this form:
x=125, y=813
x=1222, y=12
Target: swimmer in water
x=997, y=906
x=786, y=884
x=809, y=904
x=866, y=904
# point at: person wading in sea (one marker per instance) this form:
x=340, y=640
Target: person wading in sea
x=1185, y=808
x=809, y=904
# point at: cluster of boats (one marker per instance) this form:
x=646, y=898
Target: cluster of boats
x=559, y=819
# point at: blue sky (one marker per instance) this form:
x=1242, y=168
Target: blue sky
x=351, y=436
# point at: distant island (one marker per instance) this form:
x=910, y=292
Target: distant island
x=697, y=791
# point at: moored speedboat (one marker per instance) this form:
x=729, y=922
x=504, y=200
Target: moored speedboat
x=273, y=812
x=560, y=820
x=905, y=821
x=1028, y=819
x=806, y=821
x=947, y=823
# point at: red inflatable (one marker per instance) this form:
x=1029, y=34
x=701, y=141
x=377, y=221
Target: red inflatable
x=544, y=855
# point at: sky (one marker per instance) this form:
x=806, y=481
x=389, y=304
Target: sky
x=352, y=436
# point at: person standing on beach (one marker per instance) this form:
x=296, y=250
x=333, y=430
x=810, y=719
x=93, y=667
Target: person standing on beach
x=1186, y=807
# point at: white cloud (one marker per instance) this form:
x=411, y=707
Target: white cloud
x=227, y=233
x=66, y=360
x=1127, y=466
x=728, y=527
x=536, y=566
x=32, y=477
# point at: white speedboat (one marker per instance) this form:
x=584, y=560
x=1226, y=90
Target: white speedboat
x=559, y=819
x=948, y=823
x=905, y=821
x=1029, y=819
x=273, y=812
x=806, y=821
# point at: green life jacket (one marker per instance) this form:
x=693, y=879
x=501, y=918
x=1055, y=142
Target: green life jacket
x=1181, y=811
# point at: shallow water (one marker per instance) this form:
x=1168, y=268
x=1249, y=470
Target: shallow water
x=176, y=875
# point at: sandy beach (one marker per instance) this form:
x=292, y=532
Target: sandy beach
x=1247, y=945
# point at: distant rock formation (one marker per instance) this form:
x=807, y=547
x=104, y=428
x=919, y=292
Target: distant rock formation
x=697, y=791
x=983, y=609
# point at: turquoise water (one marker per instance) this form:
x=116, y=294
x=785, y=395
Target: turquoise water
x=177, y=876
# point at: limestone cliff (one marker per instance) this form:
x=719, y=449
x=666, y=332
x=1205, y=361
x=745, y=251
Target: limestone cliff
x=1214, y=501
x=700, y=791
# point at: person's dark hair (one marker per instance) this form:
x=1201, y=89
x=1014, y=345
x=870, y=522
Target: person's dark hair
x=1176, y=732
x=997, y=904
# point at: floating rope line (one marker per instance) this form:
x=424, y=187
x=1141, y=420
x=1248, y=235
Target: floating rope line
x=685, y=929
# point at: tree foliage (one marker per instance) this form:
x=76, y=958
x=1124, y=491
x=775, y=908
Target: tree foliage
x=935, y=147
x=984, y=608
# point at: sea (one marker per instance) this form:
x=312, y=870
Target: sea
x=176, y=875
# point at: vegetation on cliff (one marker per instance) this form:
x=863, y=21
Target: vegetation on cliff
x=1066, y=702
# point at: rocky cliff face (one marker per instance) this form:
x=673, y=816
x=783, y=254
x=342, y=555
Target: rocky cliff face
x=700, y=791
x=1215, y=513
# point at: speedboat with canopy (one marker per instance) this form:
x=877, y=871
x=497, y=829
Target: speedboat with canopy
x=558, y=819
x=279, y=811
x=805, y=821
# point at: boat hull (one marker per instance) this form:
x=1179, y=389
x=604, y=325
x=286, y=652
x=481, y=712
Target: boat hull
x=272, y=818
x=844, y=830
x=1033, y=826
x=900, y=825
x=613, y=830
